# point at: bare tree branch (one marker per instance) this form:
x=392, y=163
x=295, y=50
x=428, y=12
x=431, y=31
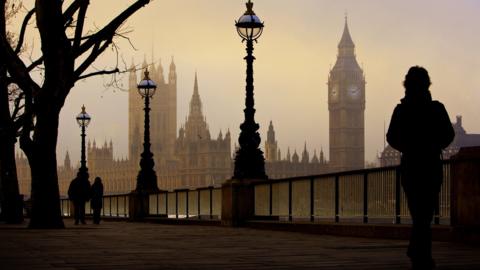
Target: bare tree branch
x=108, y=31
x=17, y=105
x=35, y=63
x=80, y=22
x=23, y=30
x=96, y=51
x=16, y=67
x=100, y=72
x=70, y=11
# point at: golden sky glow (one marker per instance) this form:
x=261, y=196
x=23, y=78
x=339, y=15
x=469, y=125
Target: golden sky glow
x=293, y=59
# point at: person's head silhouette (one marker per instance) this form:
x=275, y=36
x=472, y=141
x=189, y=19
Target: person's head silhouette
x=417, y=82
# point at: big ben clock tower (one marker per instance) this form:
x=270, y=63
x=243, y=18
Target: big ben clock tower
x=346, y=105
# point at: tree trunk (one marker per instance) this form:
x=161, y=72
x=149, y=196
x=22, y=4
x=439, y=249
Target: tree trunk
x=10, y=200
x=43, y=163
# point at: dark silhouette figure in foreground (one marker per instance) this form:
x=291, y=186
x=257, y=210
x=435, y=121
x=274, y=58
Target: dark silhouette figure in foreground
x=97, y=199
x=420, y=128
x=79, y=194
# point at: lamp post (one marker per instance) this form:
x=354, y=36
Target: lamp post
x=249, y=160
x=83, y=119
x=147, y=178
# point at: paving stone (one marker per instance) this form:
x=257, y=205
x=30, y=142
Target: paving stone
x=124, y=245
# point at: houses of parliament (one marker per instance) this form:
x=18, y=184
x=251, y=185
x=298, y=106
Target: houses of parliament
x=189, y=156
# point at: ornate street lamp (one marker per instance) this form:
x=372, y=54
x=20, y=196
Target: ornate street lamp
x=83, y=119
x=249, y=160
x=147, y=178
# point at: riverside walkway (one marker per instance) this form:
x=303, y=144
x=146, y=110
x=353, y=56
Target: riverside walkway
x=124, y=245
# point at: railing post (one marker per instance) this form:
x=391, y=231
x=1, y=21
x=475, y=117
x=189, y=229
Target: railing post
x=166, y=203
x=290, y=218
x=397, y=195
x=198, y=203
x=337, y=199
x=125, y=206
x=211, y=202
x=118, y=212
x=158, y=204
x=465, y=193
x=271, y=199
x=186, y=206
x=110, y=202
x=312, y=201
x=365, y=198
x=176, y=204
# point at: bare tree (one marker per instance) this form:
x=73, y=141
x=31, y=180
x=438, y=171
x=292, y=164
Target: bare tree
x=10, y=200
x=67, y=52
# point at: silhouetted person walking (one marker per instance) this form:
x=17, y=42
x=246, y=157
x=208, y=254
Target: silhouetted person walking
x=79, y=194
x=97, y=199
x=420, y=128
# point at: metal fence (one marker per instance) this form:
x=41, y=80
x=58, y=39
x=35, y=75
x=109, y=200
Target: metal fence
x=367, y=196
x=113, y=206
x=203, y=203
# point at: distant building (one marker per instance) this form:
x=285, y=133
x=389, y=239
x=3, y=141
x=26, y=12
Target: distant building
x=346, y=104
x=163, y=114
x=290, y=166
x=195, y=159
x=391, y=157
x=202, y=161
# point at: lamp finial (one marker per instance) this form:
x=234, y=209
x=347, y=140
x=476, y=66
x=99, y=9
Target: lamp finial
x=249, y=5
x=146, y=74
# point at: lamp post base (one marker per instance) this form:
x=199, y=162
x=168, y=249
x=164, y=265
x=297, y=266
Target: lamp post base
x=138, y=205
x=249, y=165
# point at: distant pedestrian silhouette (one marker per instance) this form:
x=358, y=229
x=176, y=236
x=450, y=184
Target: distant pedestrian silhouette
x=97, y=199
x=79, y=194
x=420, y=128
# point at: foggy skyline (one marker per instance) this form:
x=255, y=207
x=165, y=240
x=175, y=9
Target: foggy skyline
x=294, y=56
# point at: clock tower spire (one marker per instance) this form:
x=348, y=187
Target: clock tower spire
x=346, y=105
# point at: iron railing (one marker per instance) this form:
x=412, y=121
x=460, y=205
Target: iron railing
x=113, y=206
x=202, y=203
x=367, y=196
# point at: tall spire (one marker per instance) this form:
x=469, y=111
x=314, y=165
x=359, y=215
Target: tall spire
x=172, y=76
x=346, y=59
x=161, y=79
x=305, y=155
x=195, y=86
x=66, y=162
x=346, y=41
x=195, y=102
x=271, y=133
x=196, y=125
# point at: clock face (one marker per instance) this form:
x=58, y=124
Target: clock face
x=334, y=92
x=354, y=91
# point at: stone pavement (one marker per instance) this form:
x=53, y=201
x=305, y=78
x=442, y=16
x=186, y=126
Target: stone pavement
x=122, y=245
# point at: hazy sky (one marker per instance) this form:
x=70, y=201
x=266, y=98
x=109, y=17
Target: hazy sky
x=294, y=56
